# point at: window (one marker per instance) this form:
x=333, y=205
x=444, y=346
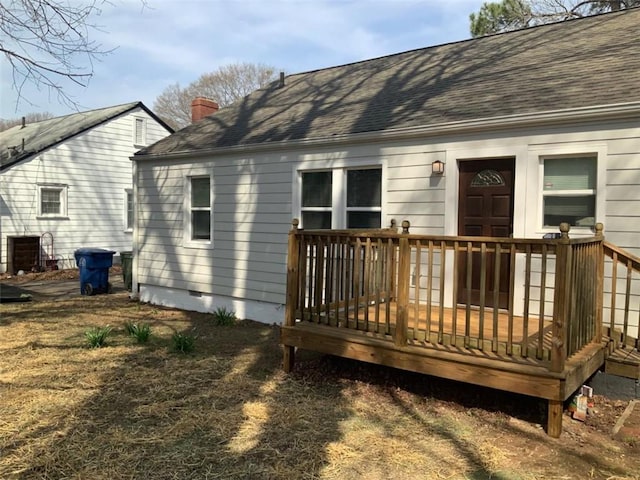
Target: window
x=128, y=210
x=200, y=209
x=341, y=198
x=52, y=200
x=569, y=191
x=316, y=199
x=364, y=189
x=140, y=131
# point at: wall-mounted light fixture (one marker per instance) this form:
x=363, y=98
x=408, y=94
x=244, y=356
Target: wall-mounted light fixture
x=437, y=167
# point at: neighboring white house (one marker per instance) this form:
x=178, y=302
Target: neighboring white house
x=551, y=114
x=66, y=183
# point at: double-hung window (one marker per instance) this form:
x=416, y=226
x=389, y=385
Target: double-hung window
x=569, y=191
x=200, y=209
x=341, y=198
x=52, y=200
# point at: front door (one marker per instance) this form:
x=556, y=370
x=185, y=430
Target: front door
x=485, y=210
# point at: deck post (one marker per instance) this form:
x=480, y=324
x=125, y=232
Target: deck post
x=554, y=418
x=599, y=282
x=561, y=301
x=404, y=267
x=293, y=273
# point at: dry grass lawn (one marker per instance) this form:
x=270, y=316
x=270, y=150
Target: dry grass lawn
x=227, y=411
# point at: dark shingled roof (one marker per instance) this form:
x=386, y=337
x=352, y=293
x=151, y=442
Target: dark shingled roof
x=38, y=136
x=593, y=61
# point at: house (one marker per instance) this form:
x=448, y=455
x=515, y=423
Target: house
x=484, y=151
x=553, y=112
x=66, y=183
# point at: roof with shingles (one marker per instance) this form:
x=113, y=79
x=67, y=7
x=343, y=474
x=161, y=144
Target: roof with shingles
x=593, y=61
x=18, y=143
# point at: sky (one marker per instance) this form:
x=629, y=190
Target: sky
x=157, y=43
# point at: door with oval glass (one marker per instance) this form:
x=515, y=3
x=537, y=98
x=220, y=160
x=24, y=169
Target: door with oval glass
x=485, y=210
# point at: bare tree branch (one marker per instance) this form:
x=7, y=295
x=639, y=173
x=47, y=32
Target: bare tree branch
x=47, y=42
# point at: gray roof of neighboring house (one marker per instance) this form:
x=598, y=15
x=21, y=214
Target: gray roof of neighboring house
x=578, y=63
x=38, y=136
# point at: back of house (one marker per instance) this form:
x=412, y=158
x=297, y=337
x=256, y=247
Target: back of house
x=66, y=183
x=505, y=135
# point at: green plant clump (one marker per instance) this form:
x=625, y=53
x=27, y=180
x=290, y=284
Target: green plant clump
x=142, y=331
x=222, y=316
x=97, y=336
x=130, y=327
x=183, y=343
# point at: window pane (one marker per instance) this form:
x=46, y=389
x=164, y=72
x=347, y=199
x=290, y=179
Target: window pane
x=139, y=131
x=363, y=220
x=570, y=174
x=50, y=201
x=200, y=225
x=577, y=211
x=316, y=220
x=316, y=189
x=200, y=192
x=129, y=210
x=364, y=188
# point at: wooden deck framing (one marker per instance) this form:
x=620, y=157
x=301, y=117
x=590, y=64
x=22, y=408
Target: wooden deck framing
x=381, y=297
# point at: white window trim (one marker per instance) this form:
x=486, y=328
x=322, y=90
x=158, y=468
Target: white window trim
x=597, y=151
x=63, y=188
x=339, y=170
x=188, y=242
x=127, y=192
x=143, y=132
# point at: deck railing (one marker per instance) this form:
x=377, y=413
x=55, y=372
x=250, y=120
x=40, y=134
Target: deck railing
x=516, y=299
x=621, y=296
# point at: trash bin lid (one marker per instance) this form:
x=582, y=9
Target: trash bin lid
x=92, y=251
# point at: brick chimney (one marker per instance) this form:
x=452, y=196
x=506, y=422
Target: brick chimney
x=202, y=107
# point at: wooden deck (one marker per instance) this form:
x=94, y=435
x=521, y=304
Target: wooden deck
x=360, y=295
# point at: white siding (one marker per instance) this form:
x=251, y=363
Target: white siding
x=251, y=210
x=255, y=198
x=96, y=168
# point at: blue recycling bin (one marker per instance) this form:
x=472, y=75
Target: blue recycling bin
x=94, y=264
